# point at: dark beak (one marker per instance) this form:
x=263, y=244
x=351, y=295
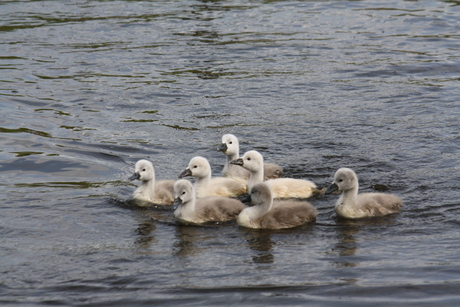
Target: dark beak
x=134, y=177
x=185, y=173
x=332, y=188
x=177, y=202
x=279, y=173
x=245, y=199
x=223, y=147
x=237, y=162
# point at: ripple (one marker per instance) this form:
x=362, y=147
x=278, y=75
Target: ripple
x=88, y=88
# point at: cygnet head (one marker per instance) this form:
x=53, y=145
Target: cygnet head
x=143, y=171
x=344, y=179
x=183, y=192
x=252, y=160
x=230, y=145
x=198, y=167
x=261, y=193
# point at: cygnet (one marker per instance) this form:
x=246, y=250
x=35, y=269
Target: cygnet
x=281, y=187
x=353, y=205
x=279, y=214
x=231, y=148
x=208, y=209
x=200, y=168
x=151, y=191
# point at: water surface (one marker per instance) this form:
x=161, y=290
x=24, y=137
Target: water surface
x=89, y=87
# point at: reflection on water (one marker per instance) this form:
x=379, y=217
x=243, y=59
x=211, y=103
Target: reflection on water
x=346, y=245
x=146, y=236
x=187, y=237
x=348, y=232
x=260, y=242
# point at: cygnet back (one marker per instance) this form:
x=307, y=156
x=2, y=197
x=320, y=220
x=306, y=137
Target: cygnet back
x=274, y=214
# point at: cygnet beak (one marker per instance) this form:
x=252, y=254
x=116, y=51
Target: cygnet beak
x=245, y=199
x=332, y=188
x=185, y=173
x=223, y=147
x=237, y=162
x=177, y=202
x=134, y=176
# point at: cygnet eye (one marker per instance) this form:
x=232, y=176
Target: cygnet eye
x=143, y=169
x=340, y=180
x=249, y=159
x=230, y=142
x=183, y=192
x=195, y=166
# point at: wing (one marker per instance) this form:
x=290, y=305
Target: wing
x=218, y=209
x=378, y=204
x=291, y=188
x=288, y=214
x=272, y=171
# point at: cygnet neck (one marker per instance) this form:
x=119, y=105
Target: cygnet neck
x=202, y=183
x=349, y=197
x=188, y=207
x=257, y=211
x=256, y=177
x=148, y=185
x=232, y=156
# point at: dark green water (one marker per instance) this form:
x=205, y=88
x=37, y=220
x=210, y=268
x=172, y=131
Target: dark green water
x=89, y=87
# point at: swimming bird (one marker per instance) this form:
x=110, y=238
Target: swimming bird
x=200, y=168
x=156, y=192
x=281, y=187
x=231, y=148
x=353, y=205
x=208, y=209
x=279, y=214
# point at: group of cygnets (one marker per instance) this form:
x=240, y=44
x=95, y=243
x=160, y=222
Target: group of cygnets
x=275, y=202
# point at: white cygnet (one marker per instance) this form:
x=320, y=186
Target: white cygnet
x=279, y=214
x=200, y=168
x=231, y=148
x=353, y=205
x=281, y=187
x=208, y=209
x=151, y=191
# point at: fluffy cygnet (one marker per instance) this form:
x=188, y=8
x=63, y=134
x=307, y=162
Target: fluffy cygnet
x=156, y=192
x=281, y=187
x=353, y=205
x=279, y=214
x=200, y=168
x=231, y=148
x=208, y=209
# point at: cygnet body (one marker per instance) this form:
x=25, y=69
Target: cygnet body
x=151, y=191
x=281, y=187
x=208, y=209
x=353, y=205
x=231, y=148
x=200, y=168
x=279, y=214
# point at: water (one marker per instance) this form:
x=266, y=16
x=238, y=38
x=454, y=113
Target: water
x=89, y=87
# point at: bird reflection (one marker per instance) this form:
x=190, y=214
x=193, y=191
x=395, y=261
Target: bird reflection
x=186, y=236
x=145, y=237
x=147, y=225
x=260, y=241
x=347, y=244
